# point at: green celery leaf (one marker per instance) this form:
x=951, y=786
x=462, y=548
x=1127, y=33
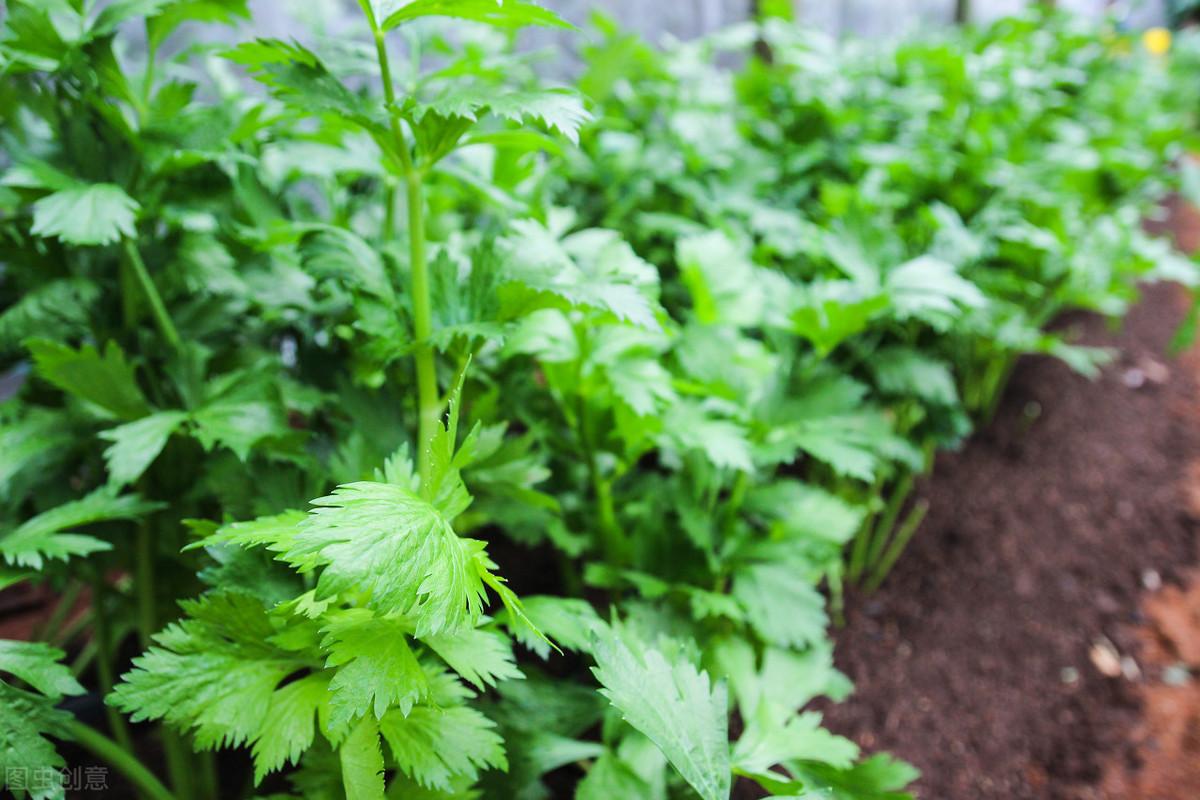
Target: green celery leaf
x=26, y=718
x=673, y=704
x=298, y=77
x=106, y=381
x=136, y=444
x=31, y=444
x=98, y=214
x=25, y=753
x=499, y=13
x=398, y=550
x=931, y=289
x=289, y=726
x=43, y=536
x=829, y=312
x=361, y=757
x=560, y=110
x=482, y=656
x=215, y=672
x=569, y=621
x=37, y=664
x=377, y=669
x=801, y=511
x=766, y=742
x=433, y=746
x=689, y=426
x=610, y=777
x=780, y=605
x=908, y=372
x=238, y=424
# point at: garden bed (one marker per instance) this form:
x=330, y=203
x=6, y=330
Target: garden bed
x=1051, y=555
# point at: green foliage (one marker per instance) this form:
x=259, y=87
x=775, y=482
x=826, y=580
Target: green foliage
x=28, y=717
x=678, y=340
x=673, y=704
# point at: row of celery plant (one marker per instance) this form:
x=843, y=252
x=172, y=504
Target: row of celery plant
x=690, y=370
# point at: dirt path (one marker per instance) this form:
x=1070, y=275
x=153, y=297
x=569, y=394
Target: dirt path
x=1035, y=641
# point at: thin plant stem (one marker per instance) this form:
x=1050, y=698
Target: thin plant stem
x=161, y=318
x=87, y=654
x=911, y=523
x=887, y=522
x=48, y=630
x=178, y=761
x=428, y=404
x=862, y=539
x=71, y=629
x=209, y=787
x=102, y=636
x=112, y=754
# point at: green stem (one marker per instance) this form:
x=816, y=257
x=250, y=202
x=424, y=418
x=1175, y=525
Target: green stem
x=111, y=753
x=144, y=579
x=887, y=522
x=177, y=756
x=862, y=540
x=71, y=629
x=163, y=319
x=102, y=634
x=837, y=594
x=898, y=545
x=612, y=540
x=87, y=654
x=209, y=785
x=49, y=630
x=429, y=406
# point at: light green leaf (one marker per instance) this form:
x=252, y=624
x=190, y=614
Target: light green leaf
x=688, y=426
x=37, y=663
x=559, y=110
x=377, y=670
x=499, y=13
x=767, y=742
x=98, y=214
x=929, y=286
x=214, y=672
x=610, y=777
x=289, y=726
x=906, y=371
x=480, y=655
x=830, y=312
x=806, y=512
x=673, y=704
x=106, y=381
x=30, y=444
x=362, y=762
x=569, y=621
x=135, y=445
x=780, y=605
x=238, y=424
x=25, y=721
x=44, y=536
x=396, y=549
x=433, y=746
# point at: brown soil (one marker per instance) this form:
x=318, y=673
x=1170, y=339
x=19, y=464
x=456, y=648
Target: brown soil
x=1008, y=655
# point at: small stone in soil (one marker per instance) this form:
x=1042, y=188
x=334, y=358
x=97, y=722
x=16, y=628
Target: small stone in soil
x=1069, y=675
x=1177, y=675
x=1134, y=378
x=1105, y=658
x=1151, y=580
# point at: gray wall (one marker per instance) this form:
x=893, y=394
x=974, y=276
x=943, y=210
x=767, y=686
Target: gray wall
x=689, y=18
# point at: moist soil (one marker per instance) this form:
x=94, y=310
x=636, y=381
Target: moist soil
x=1041, y=636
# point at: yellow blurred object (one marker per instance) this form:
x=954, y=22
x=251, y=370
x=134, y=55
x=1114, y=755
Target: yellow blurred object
x=1157, y=41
